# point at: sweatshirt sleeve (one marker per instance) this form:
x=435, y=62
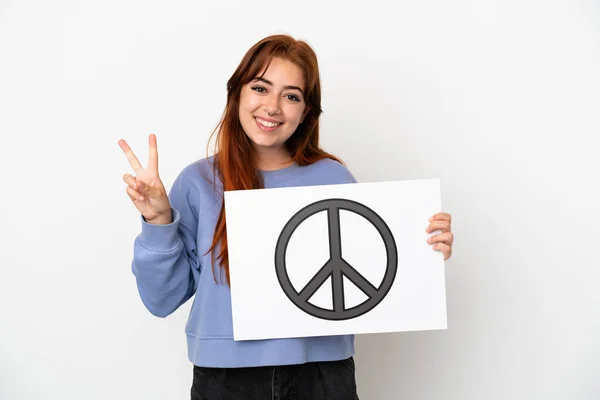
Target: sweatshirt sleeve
x=165, y=260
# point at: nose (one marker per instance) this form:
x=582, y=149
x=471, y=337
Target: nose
x=271, y=105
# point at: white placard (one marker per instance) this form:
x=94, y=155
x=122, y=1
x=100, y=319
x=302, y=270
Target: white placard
x=334, y=259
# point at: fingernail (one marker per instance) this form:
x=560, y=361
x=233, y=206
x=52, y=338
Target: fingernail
x=141, y=198
x=430, y=219
x=135, y=185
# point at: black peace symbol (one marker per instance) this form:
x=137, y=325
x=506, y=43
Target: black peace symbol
x=336, y=266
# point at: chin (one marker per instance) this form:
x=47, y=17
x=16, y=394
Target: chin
x=266, y=144
x=261, y=139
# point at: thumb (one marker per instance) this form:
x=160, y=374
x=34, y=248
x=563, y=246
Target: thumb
x=139, y=185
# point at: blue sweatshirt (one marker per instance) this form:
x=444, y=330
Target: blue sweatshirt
x=171, y=265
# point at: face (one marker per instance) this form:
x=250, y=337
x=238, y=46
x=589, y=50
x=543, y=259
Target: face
x=271, y=106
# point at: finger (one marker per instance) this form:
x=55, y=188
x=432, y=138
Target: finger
x=447, y=238
x=152, y=153
x=130, y=180
x=443, y=226
x=134, y=195
x=135, y=183
x=133, y=161
x=444, y=248
x=140, y=186
x=442, y=217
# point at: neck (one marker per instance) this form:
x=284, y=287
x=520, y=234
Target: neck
x=272, y=159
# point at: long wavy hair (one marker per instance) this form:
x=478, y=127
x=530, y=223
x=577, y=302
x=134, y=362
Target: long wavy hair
x=235, y=157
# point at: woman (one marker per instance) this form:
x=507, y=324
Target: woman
x=268, y=137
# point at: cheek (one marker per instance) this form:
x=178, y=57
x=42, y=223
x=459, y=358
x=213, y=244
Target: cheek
x=249, y=103
x=293, y=112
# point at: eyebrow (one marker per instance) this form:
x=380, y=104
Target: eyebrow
x=285, y=87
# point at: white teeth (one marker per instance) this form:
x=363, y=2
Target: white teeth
x=267, y=124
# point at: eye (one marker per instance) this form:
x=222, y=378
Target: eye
x=293, y=97
x=259, y=89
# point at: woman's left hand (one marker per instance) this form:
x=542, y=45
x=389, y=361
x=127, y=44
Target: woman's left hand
x=442, y=241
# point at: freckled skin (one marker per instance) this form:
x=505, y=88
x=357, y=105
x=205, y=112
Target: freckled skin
x=259, y=99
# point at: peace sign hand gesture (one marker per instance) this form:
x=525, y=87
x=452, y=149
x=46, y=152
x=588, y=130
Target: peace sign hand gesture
x=146, y=190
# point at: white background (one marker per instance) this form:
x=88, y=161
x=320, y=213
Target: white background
x=416, y=299
x=498, y=99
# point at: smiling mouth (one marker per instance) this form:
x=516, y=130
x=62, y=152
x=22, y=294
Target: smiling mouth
x=266, y=124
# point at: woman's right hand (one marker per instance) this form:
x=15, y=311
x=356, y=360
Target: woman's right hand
x=145, y=189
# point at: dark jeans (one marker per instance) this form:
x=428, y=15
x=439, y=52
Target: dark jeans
x=331, y=380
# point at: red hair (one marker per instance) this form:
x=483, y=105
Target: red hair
x=235, y=157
